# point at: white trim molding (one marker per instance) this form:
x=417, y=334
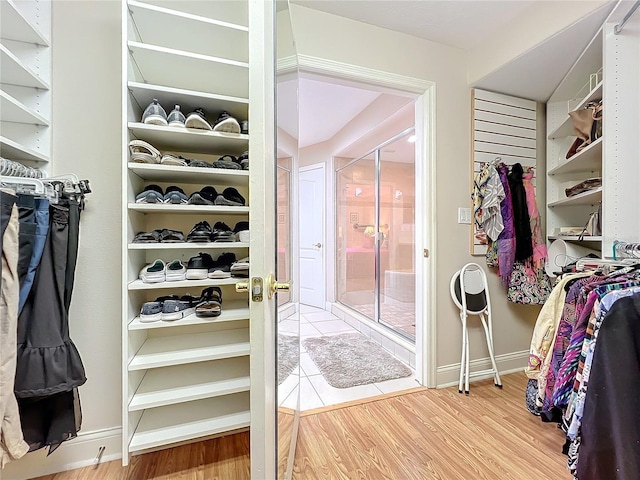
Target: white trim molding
x=80, y=452
x=448, y=375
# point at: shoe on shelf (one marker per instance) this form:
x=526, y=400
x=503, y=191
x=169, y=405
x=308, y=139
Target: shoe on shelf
x=150, y=194
x=226, y=123
x=175, y=271
x=154, y=272
x=244, y=127
x=176, y=117
x=154, y=114
x=143, y=152
x=197, y=119
x=171, y=236
x=147, y=237
x=152, y=311
x=243, y=160
x=174, y=195
x=242, y=232
x=206, y=196
x=222, y=266
x=230, y=197
x=175, y=309
x=240, y=268
x=200, y=164
x=174, y=160
x=223, y=233
x=210, y=303
x=200, y=233
x=227, y=161
x=198, y=266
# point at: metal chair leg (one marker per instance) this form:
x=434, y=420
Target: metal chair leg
x=462, y=354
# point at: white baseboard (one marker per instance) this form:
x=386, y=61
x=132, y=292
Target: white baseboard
x=79, y=452
x=448, y=375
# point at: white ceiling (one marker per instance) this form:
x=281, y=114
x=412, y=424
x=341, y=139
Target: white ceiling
x=460, y=24
x=325, y=108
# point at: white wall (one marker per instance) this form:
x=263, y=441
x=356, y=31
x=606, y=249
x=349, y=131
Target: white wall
x=364, y=45
x=86, y=141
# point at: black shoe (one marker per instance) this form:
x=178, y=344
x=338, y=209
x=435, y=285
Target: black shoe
x=210, y=303
x=206, y=196
x=197, y=119
x=222, y=266
x=198, y=267
x=222, y=233
x=200, y=233
x=231, y=197
x=150, y=194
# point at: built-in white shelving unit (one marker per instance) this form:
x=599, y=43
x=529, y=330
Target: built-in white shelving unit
x=186, y=379
x=607, y=70
x=25, y=81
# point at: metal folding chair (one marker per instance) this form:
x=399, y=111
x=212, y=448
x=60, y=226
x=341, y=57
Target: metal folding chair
x=472, y=280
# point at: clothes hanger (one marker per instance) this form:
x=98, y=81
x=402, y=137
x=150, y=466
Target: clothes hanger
x=36, y=185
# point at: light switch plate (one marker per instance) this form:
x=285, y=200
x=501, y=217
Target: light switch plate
x=464, y=215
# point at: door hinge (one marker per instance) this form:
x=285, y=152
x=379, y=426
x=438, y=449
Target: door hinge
x=425, y=253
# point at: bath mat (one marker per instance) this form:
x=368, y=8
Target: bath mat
x=351, y=359
x=288, y=355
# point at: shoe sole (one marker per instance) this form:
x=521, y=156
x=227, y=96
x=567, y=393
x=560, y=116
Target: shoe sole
x=197, y=274
x=176, y=277
x=227, y=126
x=169, y=317
x=176, y=124
x=243, y=236
x=152, y=279
x=224, y=239
x=197, y=122
x=140, y=157
x=219, y=274
x=155, y=120
x=227, y=202
x=156, y=317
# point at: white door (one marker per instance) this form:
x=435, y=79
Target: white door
x=311, y=214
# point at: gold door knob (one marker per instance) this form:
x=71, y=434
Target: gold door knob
x=274, y=286
x=242, y=287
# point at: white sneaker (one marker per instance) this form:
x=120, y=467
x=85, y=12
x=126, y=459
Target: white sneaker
x=175, y=271
x=154, y=272
x=243, y=236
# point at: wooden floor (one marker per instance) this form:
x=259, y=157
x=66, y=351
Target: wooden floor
x=432, y=434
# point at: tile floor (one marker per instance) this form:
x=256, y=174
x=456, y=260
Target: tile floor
x=399, y=315
x=315, y=392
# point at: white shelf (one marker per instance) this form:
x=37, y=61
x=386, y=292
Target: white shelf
x=169, y=173
x=587, y=160
x=186, y=383
x=565, y=129
x=162, y=26
x=140, y=285
x=231, y=312
x=188, y=246
x=14, y=151
x=15, y=26
x=179, y=423
x=14, y=72
x=575, y=238
x=192, y=348
x=178, y=209
x=189, y=100
x=15, y=111
x=586, y=198
x=168, y=66
x=190, y=139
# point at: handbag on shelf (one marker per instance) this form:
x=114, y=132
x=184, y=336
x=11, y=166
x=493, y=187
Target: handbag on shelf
x=593, y=228
x=587, y=185
x=587, y=125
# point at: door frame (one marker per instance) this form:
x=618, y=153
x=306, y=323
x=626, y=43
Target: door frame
x=425, y=240
x=323, y=240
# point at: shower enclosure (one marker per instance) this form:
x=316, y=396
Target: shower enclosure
x=375, y=238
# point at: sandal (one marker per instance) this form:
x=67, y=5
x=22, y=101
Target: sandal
x=210, y=303
x=171, y=236
x=143, y=152
x=200, y=164
x=231, y=163
x=147, y=237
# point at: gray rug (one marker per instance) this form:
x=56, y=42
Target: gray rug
x=288, y=355
x=352, y=359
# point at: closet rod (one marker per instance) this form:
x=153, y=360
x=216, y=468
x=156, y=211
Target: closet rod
x=618, y=28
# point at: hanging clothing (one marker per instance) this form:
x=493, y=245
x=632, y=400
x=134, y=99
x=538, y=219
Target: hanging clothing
x=524, y=248
x=488, y=193
x=49, y=368
x=507, y=239
x=12, y=444
x=42, y=227
x=537, y=239
x=610, y=447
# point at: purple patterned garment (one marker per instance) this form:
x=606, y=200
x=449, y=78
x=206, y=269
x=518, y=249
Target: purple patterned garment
x=507, y=238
